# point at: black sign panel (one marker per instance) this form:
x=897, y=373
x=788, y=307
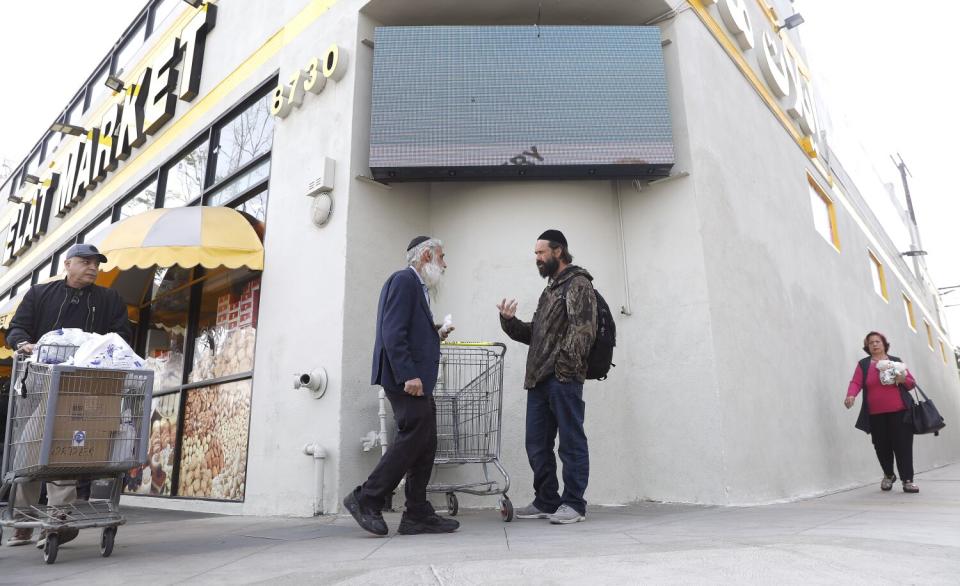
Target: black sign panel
x=513, y=102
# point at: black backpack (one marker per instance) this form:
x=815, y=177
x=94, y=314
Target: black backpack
x=600, y=358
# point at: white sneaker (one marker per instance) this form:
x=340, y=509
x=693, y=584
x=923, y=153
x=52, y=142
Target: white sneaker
x=566, y=515
x=530, y=512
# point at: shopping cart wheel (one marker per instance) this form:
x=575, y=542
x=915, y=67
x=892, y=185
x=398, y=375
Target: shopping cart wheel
x=106, y=541
x=506, y=509
x=51, y=548
x=452, y=505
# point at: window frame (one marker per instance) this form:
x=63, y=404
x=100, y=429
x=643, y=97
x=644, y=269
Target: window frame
x=929, y=331
x=106, y=216
x=827, y=200
x=880, y=276
x=908, y=308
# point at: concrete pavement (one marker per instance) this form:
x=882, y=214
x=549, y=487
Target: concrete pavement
x=862, y=536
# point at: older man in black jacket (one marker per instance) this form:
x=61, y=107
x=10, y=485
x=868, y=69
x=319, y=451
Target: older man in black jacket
x=405, y=358
x=74, y=302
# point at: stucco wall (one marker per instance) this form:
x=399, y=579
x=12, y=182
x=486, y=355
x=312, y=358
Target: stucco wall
x=788, y=310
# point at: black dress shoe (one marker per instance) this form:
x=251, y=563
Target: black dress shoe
x=432, y=523
x=371, y=521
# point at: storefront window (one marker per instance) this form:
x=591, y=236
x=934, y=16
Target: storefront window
x=142, y=201
x=90, y=234
x=162, y=10
x=73, y=114
x=215, y=430
x=185, y=178
x=97, y=90
x=166, y=335
x=218, y=330
x=156, y=477
x=34, y=163
x=244, y=138
x=50, y=144
x=20, y=287
x=41, y=272
x=256, y=206
x=130, y=47
x=237, y=186
x=58, y=259
x=227, y=327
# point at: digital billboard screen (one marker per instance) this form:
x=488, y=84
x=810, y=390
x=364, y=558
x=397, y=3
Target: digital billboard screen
x=519, y=102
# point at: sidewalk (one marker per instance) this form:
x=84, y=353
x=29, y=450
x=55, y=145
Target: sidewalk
x=861, y=536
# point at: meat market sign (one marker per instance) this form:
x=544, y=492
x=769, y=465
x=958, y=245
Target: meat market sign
x=144, y=108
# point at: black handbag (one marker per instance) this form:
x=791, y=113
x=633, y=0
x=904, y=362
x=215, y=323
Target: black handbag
x=926, y=418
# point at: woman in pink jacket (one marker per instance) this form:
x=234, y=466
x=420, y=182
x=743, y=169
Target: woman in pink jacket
x=884, y=412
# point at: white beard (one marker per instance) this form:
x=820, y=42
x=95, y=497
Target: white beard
x=432, y=275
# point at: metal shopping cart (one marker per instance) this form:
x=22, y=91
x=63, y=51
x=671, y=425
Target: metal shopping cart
x=68, y=423
x=469, y=399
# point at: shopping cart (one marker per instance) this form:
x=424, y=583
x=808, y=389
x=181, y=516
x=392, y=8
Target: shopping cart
x=469, y=399
x=68, y=423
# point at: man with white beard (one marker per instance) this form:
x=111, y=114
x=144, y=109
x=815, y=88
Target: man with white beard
x=406, y=356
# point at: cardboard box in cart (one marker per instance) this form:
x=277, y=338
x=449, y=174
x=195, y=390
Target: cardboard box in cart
x=87, y=418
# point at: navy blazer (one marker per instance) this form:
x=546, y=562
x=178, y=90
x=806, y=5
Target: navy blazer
x=407, y=345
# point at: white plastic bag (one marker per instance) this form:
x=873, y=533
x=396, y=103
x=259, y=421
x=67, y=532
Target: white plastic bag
x=107, y=351
x=447, y=325
x=890, y=370
x=59, y=337
x=124, y=442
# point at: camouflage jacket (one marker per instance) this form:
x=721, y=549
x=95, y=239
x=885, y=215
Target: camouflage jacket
x=562, y=330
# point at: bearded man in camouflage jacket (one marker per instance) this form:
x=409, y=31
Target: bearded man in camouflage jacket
x=560, y=337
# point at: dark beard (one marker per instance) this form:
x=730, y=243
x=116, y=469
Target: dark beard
x=548, y=268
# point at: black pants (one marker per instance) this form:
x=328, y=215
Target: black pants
x=892, y=437
x=411, y=454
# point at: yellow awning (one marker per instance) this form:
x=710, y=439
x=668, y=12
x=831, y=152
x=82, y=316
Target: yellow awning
x=207, y=236
x=7, y=309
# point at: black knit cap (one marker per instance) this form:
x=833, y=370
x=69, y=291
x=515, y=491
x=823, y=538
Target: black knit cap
x=417, y=242
x=554, y=236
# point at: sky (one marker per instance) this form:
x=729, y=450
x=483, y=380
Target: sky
x=883, y=70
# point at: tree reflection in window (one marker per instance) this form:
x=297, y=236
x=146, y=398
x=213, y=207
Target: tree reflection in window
x=238, y=185
x=256, y=206
x=166, y=336
x=185, y=178
x=144, y=200
x=243, y=138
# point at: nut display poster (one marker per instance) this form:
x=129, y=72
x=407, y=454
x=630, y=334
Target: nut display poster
x=216, y=422
x=156, y=476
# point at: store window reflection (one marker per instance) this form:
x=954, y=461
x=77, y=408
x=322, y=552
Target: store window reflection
x=156, y=477
x=226, y=194
x=165, y=338
x=91, y=233
x=255, y=206
x=142, y=201
x=227, y=328
x=244, y=138
x=185, y=178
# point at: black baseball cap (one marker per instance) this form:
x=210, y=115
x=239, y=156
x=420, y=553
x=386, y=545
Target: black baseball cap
x=86, y=251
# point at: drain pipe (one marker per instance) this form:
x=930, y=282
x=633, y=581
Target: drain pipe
x=382, y=414
x=375, y=438
x=319, y=455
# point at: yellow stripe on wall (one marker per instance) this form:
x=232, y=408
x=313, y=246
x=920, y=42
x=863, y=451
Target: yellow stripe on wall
x=773, y=105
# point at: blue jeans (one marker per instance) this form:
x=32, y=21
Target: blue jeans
x=554, y=406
